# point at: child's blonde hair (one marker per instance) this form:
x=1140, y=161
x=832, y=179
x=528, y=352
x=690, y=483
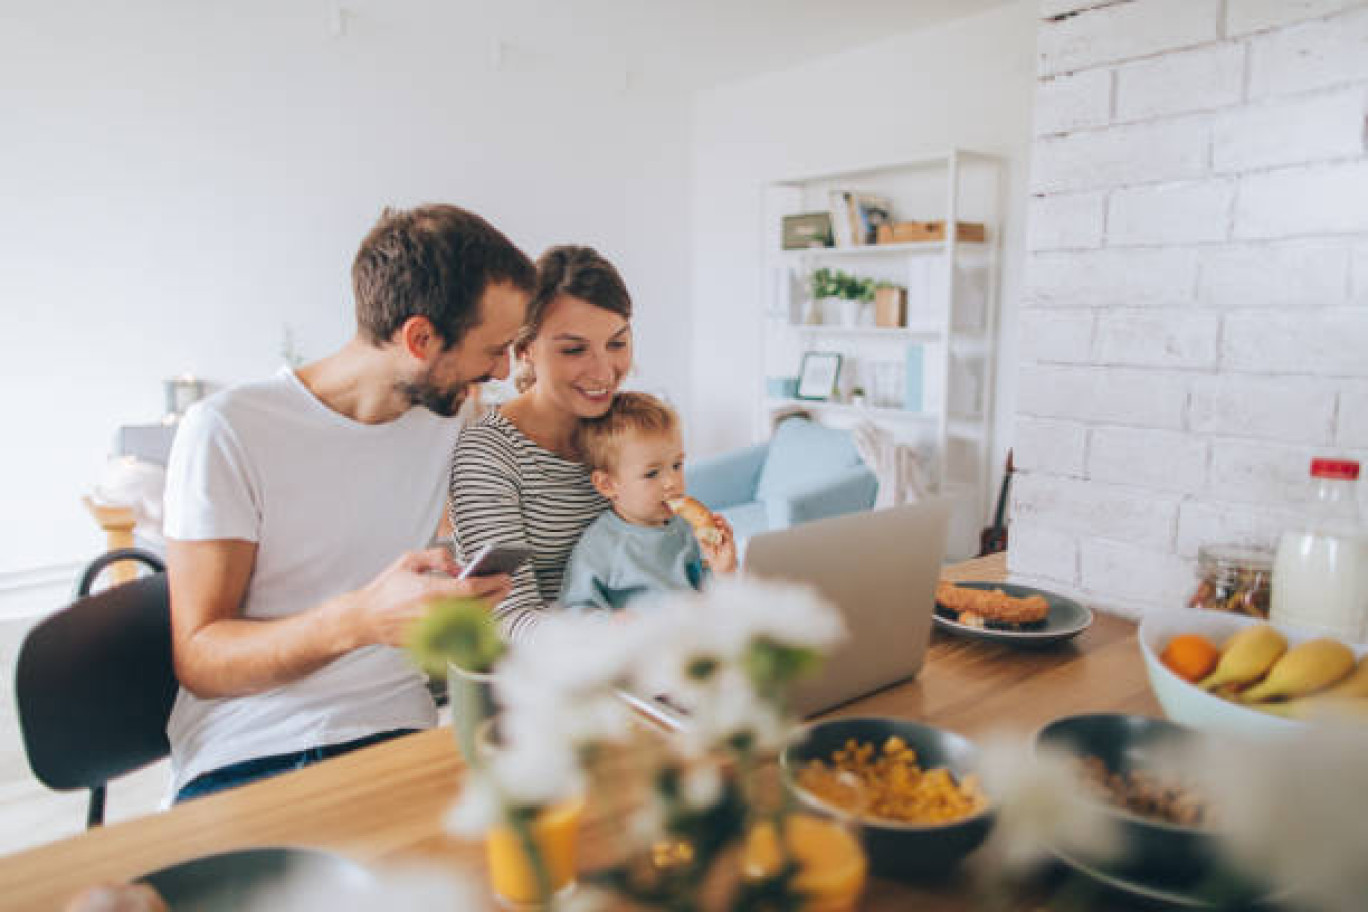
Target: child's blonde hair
x=597, y=439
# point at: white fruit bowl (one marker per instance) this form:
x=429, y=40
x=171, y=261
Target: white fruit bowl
x=1188, y=704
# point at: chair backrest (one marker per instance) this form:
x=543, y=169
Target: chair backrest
x=94, y=685
x=802, y=452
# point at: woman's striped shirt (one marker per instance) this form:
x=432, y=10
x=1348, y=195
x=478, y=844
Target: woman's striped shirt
x=506, y=489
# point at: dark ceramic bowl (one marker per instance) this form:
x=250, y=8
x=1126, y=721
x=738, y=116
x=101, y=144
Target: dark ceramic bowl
x=1153, y=850
x=901, y=850
x=232, y=881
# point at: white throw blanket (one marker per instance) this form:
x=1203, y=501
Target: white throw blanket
x=897, y=467
x=129, y=482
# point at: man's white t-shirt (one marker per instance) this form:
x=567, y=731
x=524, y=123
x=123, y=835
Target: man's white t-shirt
x=330, y=503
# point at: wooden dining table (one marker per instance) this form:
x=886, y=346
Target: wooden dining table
x=383, y=806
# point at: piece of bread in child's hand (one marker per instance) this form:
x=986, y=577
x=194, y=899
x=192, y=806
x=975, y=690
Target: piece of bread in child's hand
x=699, y=517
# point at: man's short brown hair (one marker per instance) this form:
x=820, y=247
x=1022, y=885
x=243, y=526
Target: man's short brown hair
x=434, y=261
x=597, y=439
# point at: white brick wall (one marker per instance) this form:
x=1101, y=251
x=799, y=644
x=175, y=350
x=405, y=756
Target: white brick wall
x=1245, y=16
x=1208, y=77
x=1058, y=447
x=1324, y=199
x=1195, y=317
x=1281, y=276
x=1157, y=338
x=1074, y=100
x=1305, y=128
x=1103, y=395
x=1163, y=460
x=1332, y=342
x=1352, y=423
x=1066, y=220
x=1118, y=278
x=1288, y=409
x=1358, y=284
x=1173, y=150
x=1184, y=213
x=1056, y=336
x=1108, y=34
x=1313, y=55
x=1095, y=510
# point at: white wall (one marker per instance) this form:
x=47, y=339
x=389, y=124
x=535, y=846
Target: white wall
x=1195, y=324
x=181, y=180
x=967, y=84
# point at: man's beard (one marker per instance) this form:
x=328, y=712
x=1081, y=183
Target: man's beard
x=439, y=400
x=444, y=402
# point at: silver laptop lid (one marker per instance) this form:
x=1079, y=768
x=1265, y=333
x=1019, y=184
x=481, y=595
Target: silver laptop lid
x=880, y=569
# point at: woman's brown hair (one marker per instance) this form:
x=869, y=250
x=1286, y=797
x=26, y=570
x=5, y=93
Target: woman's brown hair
x=576, y=271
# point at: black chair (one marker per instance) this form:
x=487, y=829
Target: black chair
x=94, y=683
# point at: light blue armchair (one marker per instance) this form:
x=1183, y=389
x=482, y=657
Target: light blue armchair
x=805, y=472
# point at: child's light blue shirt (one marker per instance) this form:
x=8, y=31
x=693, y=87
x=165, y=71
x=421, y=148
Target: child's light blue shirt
x=616, y=562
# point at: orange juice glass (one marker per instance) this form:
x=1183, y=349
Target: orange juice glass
x=831, y=864
x=556, y=834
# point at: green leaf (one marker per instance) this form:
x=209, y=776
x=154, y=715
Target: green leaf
x=459, y=631
x=772, y=666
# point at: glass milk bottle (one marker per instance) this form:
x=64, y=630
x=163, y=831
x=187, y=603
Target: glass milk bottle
x=1320, y=574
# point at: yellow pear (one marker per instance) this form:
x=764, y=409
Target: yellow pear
x=1247, y=656
x=1303, y=670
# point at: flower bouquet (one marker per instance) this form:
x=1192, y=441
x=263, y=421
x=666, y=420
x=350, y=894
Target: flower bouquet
x=707, y=827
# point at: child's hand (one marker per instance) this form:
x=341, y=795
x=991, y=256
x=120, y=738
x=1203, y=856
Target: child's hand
x=721, y=557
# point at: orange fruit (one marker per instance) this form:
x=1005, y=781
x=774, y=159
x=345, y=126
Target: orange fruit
x=1190, y=656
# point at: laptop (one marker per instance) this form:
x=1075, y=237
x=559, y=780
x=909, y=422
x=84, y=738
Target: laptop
x=880, y=570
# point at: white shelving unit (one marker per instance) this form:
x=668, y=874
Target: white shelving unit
x=952, y=307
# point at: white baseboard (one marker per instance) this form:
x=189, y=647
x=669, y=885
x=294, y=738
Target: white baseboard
x=35, y=592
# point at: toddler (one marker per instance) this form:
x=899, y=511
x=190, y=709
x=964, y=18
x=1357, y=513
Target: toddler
x=635, y=454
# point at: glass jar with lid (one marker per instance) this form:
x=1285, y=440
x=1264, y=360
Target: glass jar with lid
x=1235, y=578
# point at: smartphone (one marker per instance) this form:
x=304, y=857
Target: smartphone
x=492, y=560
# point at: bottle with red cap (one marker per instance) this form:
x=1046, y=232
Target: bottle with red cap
x=1320, y=574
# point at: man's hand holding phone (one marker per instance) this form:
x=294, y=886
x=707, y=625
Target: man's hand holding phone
x=384, y=609
x=495, y=560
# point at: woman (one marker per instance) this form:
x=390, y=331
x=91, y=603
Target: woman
x=515, y=478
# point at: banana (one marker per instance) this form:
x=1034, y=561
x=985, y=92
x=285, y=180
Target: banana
x=1303, y=670
x=1355, y=685
x=1246, y=656
x=1321, y=706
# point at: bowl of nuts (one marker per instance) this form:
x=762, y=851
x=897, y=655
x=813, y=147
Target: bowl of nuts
x=1134, y=767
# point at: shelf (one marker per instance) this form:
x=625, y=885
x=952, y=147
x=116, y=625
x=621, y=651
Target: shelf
x=882, y=411
x=867, y=250
x=868, y=332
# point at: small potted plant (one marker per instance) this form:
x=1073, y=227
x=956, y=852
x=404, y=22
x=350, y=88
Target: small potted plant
x=848, y=292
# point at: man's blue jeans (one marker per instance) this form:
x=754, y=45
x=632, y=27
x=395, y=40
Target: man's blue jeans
x=236, y=774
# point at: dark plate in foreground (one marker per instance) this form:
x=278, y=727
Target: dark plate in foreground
x=244, y=879
x=1067, y=618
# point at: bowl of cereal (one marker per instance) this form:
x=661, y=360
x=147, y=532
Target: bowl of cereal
x=910, y=790
x=1142, y=771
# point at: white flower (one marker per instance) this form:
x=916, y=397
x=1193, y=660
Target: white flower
x=788, y=613
x=536, y=774
x=477, y=810
x=1041, y=806
x=700, y=786
x=682, y=631
x=646, y=824
x=1291, y=810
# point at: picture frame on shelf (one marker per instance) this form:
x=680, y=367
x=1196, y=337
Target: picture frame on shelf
x=807, y=230
x=818, y=376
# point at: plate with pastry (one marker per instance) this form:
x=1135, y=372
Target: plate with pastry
x=1008, y=613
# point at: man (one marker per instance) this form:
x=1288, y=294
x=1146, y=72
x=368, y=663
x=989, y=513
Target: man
x=295, y=505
